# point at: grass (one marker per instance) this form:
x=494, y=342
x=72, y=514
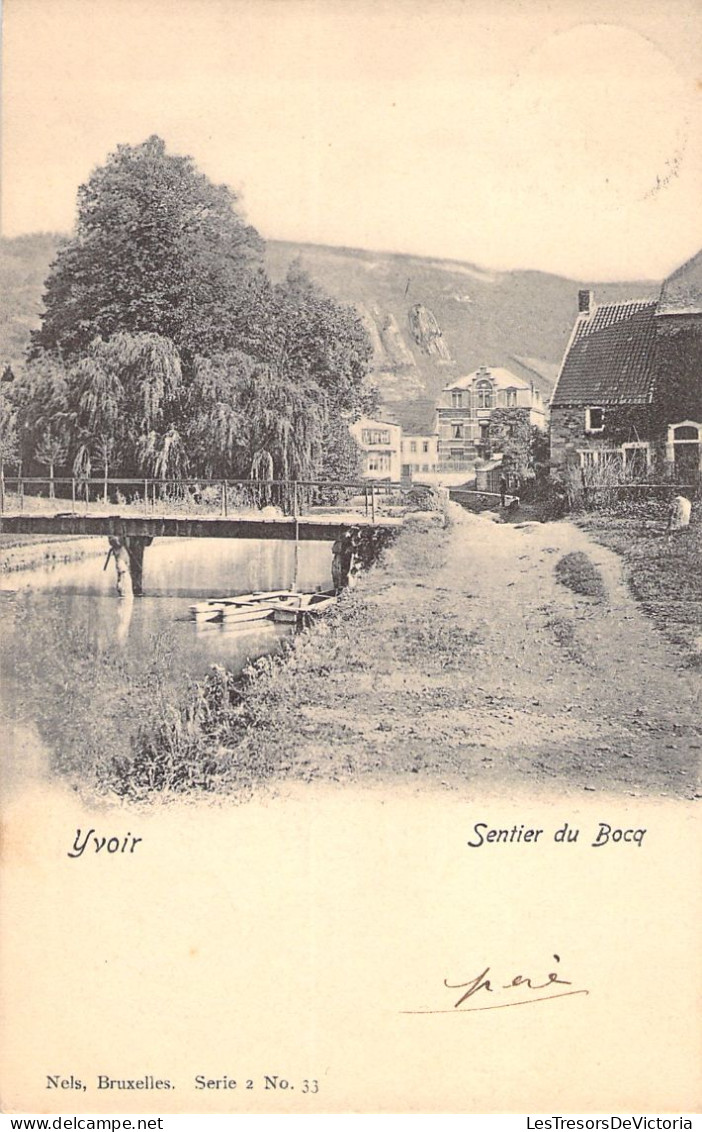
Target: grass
x=229, y=734
x=664, y=575
x=565, y=634
x=578, y=572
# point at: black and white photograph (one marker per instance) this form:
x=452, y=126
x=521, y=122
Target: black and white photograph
x=351, y=557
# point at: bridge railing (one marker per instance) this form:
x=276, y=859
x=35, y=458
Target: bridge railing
x=149, y=496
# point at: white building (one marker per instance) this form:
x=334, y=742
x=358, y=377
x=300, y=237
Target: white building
x=420, y=455
x=381, y=447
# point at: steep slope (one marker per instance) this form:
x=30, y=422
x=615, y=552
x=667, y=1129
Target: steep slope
x=24, y=264
x=430, y=320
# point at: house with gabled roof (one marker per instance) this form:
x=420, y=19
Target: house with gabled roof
x=466, y=406
x=629, y=389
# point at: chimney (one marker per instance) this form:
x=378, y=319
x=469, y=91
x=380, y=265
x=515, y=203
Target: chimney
x=586, y=302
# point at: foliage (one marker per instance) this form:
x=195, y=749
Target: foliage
x=9, y=446
x=316, y=340
x=578, y=572
x=41, y=399
x=512, y=434
x=341, y=455
x=216, y=434
x=157, y=248
x=165, y=350
x=678, y=391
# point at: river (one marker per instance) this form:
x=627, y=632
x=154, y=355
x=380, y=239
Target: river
x=81, y=669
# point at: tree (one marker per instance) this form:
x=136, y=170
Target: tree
x=124, y=395
x=41, y=398
x=217, y=429
x=82, y=468
x=315, y=339
x=50, y=452
x=164, y=456
x=158, y=248
x=176, y=350
x=511, y=434
x=341, y=459
x=284, y=420
x=9, y=448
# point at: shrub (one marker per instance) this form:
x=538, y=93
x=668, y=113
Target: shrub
x=577, y=571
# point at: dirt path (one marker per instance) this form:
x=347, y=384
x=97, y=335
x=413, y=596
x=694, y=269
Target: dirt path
x=474, y=663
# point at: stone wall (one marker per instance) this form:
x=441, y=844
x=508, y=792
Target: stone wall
x=624, y=424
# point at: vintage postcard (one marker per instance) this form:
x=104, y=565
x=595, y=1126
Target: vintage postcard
x=350, y=533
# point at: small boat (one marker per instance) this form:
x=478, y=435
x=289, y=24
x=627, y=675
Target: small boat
x=298, y=611
x=277, y=605
x=206, y=611
x=239, y=613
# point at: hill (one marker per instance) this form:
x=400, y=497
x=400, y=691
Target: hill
x=433, y=320
x=24, y=264
x=430, y=320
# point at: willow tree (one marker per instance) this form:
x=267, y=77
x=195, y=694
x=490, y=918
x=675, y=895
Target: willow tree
x=321, y=348
x=217, y=428
x=284, y=420
x=99, y=415
x=42, y=405
x=125, y=394
x=51, y=451
x=163, y=455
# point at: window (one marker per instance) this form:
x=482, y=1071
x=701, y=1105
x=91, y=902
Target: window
x=510, y=398
x=594, y=419
x=456, y=431
x=413, y=446
x=684, y=449
x=484, y=393
x=375, y=436
x=600, y=457
x=456, y=400
x=686, y=432
x=425, y=446
x=378, y=462
x=637, y=458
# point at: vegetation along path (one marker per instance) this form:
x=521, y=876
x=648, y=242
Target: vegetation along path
x=465, y=658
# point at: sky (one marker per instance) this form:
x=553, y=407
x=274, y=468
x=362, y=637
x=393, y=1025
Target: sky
x=556, y=135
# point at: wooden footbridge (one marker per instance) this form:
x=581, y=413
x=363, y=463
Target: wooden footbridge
x=309, y=511
x=306, y=528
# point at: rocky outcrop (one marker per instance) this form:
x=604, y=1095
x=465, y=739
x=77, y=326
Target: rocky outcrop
x=396, y=349
x=390, y=351
x=427, y=332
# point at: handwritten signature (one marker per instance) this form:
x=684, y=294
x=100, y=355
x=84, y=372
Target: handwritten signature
x=519, y=983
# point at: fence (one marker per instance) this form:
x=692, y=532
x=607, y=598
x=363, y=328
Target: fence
x=293, y=497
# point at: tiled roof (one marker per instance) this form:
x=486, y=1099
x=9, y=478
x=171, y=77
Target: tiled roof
x=682, y=291
x=610, y=357
x=416, y=416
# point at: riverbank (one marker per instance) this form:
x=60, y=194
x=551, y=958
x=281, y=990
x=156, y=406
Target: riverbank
x=461, y=660
x=23, y=552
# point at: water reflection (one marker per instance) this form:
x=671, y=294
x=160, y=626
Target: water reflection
x=81, y=668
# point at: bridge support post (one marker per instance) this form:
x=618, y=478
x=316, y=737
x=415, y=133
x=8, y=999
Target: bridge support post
x=136, y=545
